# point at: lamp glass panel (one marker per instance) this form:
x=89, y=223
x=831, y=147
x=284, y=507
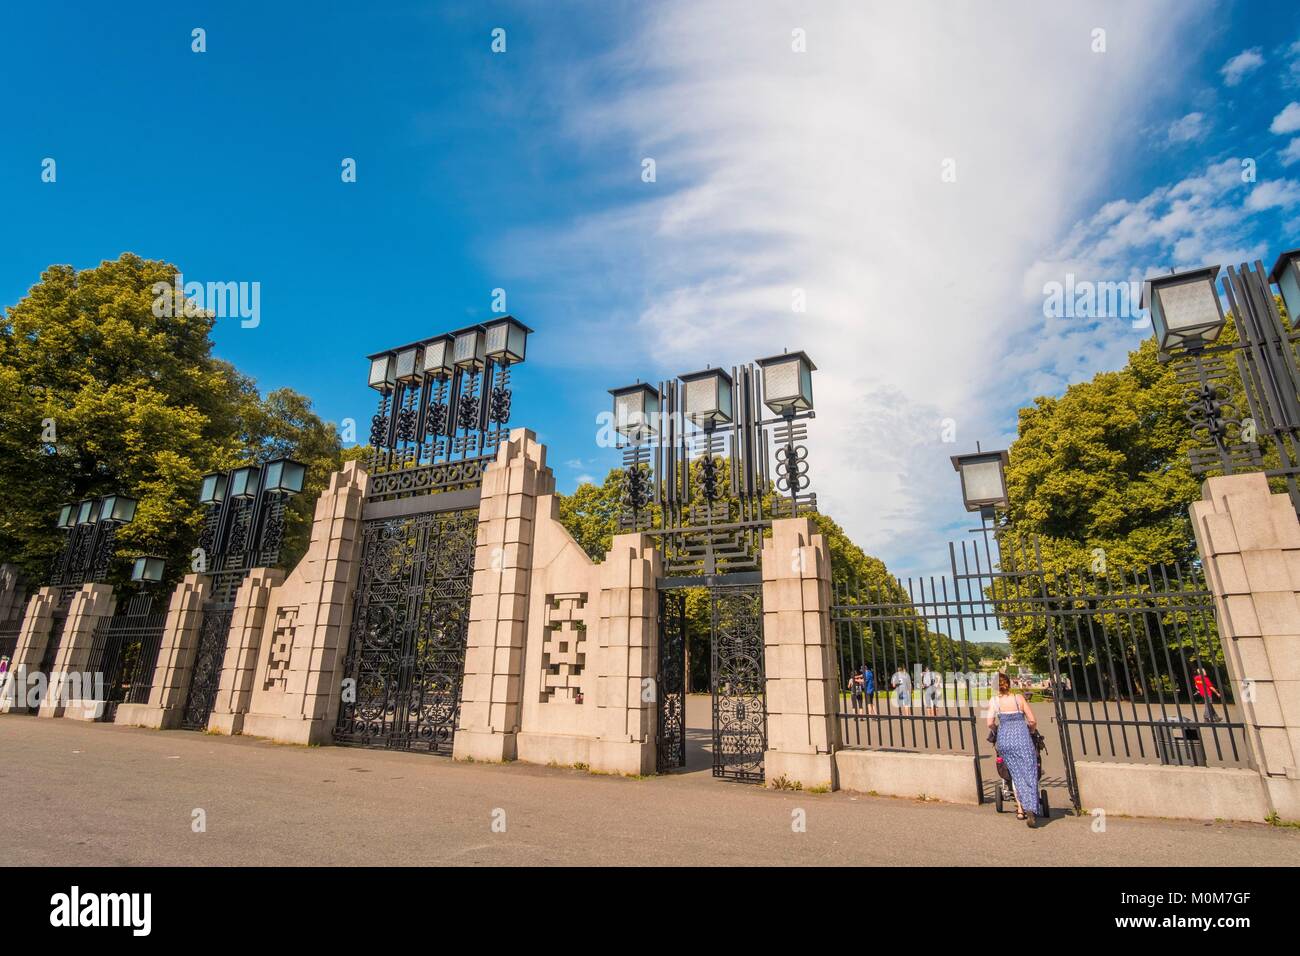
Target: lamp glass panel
x=1289, y=283
x=497, y=339
x=85, y=511
x=381, y=372
x=243, y=483
x=285, y=475
x=119, y=508
x=982, y=481
x=213, y=491
x=781, y=382
x=1191, y=309
x=702, y=397
x=147, y=569
x=408, y=364
x=724, y=400
x=66, y=516
x=437, y=357
x=635, y=412
x=469, y=348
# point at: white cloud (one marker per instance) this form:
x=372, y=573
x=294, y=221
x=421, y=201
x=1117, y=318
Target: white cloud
x=1245, y=62
x=1287, y=121
x=1191, y=127
x=1292, y=152
x=821, y=171
x=1274, y=194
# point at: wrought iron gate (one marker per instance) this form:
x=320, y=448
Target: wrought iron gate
x=406, y=657
x=736, y=679
x=205, y=678
x=670, y=683
x=737, y=682
x=124, y=649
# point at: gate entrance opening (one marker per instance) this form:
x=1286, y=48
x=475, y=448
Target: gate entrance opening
x=728, y=611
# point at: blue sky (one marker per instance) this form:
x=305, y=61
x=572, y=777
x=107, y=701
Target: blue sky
x=776, y=170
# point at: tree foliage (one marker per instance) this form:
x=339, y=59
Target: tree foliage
x=99, y=395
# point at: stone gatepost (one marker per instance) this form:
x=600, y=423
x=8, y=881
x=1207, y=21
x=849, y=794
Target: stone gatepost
x=492, y=693
x=626, y=639
x=297, y=662
x=171, y=675
x=68, y=694
x=798, y=655
x=238, y=667
x=13, y=592
x=1249, y=539
x=30, y=650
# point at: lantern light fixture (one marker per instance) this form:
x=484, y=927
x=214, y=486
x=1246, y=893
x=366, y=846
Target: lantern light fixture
x=383, y=372
x=284, y=475
x=636, y=411
x=983, y=479
x=787, y=382
x=148, y=569
x=1185, y=309
x=409, y=365
x=117, y=508
x=469, y=348
x=506, y=340
x=213, y=489
x=1286, y=274
x=67, y=517
x=708, y=397
x=86, y=513
x=438, y=357
x=243, y=482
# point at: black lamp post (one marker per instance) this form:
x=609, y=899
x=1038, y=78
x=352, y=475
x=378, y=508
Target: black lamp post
x=708, y=415
x=244, y=525
x=1187, y=315
x=91, y=529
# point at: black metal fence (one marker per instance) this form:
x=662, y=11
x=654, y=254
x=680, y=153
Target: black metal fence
x=124, y=649
x=1129, y=661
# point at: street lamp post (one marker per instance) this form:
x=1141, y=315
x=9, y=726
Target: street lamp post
x=1188, y=316
x=244, y=525
x=443, y=407
x=91, y=530
x=715, y=417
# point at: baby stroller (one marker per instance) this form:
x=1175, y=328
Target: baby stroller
x=1002, y=793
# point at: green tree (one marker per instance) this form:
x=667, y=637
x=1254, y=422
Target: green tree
x=101, y=392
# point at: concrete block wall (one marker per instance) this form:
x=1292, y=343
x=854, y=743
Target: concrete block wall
x=1249, y=539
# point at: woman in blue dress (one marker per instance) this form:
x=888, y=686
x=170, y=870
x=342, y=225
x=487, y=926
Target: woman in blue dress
x=1015, y=721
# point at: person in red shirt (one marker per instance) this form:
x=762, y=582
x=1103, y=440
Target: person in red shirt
x=1207, y=691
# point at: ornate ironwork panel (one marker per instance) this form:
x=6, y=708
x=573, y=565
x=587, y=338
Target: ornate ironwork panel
x=670, y=682
x=737, y=682
x=205, y=677
x=406, y=657
x=124, y=649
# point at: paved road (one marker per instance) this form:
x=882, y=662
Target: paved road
x=75, y=793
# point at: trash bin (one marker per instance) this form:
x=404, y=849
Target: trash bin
x=1177, y=744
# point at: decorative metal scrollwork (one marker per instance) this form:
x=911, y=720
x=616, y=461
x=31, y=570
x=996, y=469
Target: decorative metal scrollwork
x=410, y=625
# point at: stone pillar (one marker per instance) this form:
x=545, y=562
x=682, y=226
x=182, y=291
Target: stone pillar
x=68, y=692
x=492, y=692
x=309, y=619
x=235, y=688
x=626, y=641
x=798, y=655
x=1249, y=539
x=13, y=592
x=171, y=675
x=35, y=634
